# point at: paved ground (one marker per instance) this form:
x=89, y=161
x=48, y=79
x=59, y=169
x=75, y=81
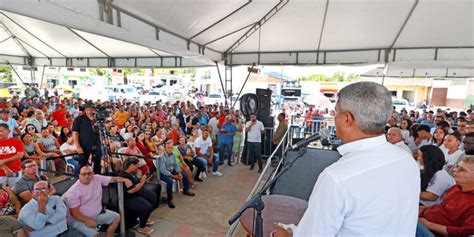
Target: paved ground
x=207, y=213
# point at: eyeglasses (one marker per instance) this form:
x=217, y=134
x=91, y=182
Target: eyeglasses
x=31, y=128
x=462, y=169
x=31, y=166
x=87, y=174
x=40, y=190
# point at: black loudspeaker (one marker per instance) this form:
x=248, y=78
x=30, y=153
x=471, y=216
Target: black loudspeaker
x=249, y=104
x=264, y=100
x=32, y=92
x=299, y=180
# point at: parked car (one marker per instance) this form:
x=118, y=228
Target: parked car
x=176, y=96
x=214, y=98
x=123, y=92
x=401, y=104
x=153, y=96
x=94, y=93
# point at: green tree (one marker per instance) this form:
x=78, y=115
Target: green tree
x=352, y=77
x=126, y=72
x=139, y=71
x=336, y=77
x=6, y=74
x=97, y=71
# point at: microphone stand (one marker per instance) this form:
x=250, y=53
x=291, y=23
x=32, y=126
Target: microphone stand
x=256, y=201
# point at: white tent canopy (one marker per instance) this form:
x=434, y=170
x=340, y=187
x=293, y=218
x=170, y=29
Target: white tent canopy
x=405, y=34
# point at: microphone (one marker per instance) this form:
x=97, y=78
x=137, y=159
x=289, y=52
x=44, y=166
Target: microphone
x=323, y=134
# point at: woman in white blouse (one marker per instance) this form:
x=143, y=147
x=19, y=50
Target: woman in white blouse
x=435, y=181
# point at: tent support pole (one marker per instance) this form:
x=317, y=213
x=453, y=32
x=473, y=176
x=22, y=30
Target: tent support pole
x=222, y=84
x=42, y=77
x=242, y=88
x=32, y=67
x=11, y=66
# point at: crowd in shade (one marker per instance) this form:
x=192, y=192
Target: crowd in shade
x=442, y=143
x=190, y=142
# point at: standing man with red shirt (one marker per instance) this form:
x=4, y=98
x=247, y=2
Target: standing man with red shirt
x=11, y=152
x=60, y=115
x=454, y=216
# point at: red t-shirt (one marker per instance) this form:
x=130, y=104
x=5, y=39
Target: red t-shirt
x=221, y=120
x=456, y=212
x=9, y=148
x=174, y=135
x=60, y=116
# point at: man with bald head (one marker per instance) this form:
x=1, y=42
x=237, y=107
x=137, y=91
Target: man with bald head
x=394, y=136
x=84, y=199
x=43, y=215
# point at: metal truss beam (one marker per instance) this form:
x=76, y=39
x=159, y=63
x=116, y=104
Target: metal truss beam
x=160, y=28
x=405, y=22
x=29, y=32
x=388, y=51
x=257, y=25
x=347, y=56
x=17, y=41
x=228, y=34
x=88, y=42
x=322, y=29
x=5, y=39
x=105, y=62
x=220, y=20
x=354, y=50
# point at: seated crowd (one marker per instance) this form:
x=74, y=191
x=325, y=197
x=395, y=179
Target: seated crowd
x=172, y=144
x=183, y=143
x=443, y=145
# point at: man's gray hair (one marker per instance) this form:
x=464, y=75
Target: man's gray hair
x=370, y=104
x=468, y=158
x=398, y=130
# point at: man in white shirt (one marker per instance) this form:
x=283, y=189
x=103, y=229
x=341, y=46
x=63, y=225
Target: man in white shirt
x=75, y=110
x=394, y=136
x=44, y=214
x=374, y=188
x=12, y=124
x=213, y=124
x=254, y=129
x=204, y=149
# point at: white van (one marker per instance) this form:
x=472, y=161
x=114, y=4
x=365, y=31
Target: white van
x=401, y=104
x=129, y=93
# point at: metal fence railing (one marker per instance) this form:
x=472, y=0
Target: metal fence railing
x=301, y=126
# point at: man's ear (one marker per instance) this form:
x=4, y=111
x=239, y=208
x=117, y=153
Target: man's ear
x=348, y=119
